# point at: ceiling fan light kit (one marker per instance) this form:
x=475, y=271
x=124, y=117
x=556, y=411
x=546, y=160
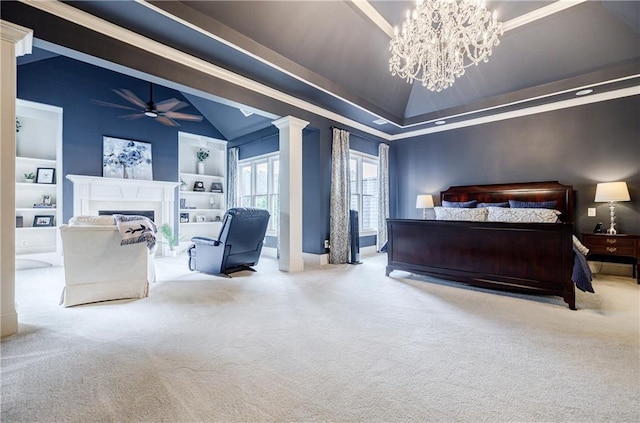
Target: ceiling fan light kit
x=165, y=112
x=440, y=38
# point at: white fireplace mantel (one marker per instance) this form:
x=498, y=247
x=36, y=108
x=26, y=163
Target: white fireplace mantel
x=94, y=193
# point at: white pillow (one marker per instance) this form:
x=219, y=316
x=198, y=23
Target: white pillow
x=500, y=214
x=456, y=213
x=106, y=220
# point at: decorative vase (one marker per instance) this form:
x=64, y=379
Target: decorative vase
x=200, y=168
x=125, y=174
x=30, y=181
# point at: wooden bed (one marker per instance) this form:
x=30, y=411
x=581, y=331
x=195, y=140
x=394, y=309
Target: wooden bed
x=521, y=257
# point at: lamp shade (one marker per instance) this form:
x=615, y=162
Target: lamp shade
x=424, y=201
x=612, y=191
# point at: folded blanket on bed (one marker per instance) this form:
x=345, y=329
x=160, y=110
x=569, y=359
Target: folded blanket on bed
x=134, y=229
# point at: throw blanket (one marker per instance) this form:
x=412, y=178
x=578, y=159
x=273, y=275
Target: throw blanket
x=581, y=275
x=134, y=229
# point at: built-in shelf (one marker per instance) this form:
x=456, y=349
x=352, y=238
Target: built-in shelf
x=38, y=145
x=201, y=176
x=36, y=160
x=208, y=206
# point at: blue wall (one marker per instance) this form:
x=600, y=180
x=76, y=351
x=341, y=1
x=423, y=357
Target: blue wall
x=72, y=85
x=578, y=146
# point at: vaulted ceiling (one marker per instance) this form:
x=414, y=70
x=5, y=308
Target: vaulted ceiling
x=331, y=57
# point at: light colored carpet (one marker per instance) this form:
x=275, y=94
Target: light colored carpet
x=333, y=344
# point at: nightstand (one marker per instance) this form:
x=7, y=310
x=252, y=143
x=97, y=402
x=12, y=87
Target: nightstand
x=620, y=248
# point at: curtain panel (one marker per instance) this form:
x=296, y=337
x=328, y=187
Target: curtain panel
x=340, y=198
x=383, y=194
x=232, y=178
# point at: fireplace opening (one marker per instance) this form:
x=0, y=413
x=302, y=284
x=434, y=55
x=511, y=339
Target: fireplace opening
x=150, y=214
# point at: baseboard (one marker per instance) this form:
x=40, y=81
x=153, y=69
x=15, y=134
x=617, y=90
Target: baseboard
x=315, y=259
x=318, y=259
x=617, y=269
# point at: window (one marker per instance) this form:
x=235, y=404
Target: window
x=259, y=180
x=364, y=190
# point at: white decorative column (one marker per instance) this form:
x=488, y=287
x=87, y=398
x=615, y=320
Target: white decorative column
x=290, y=193
x=15, y=41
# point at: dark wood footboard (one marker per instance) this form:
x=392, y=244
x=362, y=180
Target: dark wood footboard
x=523, y=257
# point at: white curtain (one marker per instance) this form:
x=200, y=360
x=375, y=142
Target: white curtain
x=340, y=198
x=383, y=194
x=232, y=178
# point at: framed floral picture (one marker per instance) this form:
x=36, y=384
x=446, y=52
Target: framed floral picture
x=126, y=159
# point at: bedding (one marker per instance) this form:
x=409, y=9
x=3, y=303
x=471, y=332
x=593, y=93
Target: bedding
x=460, y=204
x=455, y=213
x=499, y=214
x=501, y=204
x=515, y=204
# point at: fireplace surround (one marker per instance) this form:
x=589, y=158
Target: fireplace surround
x=91, y=194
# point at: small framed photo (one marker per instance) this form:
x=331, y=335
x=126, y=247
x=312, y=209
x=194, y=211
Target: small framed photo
x=40, y=221
x=216, y=187
x=184, y=217
x=198, y=186
x=46, y=199
x=19, y=222
x=201, y=218
x=45, y=175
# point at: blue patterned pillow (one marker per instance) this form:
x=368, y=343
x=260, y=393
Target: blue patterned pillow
x=505, y=204
x=460, y=204
x=515, y=204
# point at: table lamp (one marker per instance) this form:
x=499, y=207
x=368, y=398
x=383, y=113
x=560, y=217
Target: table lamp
x=611, y=192
x=424, y=202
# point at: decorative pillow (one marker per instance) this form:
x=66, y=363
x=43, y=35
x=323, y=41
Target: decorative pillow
x=458, y=213
x=460, y=204
x=499, y=214
x=515, y=204
x=505, y=204
x=106, y=220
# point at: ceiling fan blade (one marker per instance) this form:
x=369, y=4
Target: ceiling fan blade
x=183, y=116
x=132, y=116
x=170, y=104
x=167, y=121
x=119, y=106
x=131, y=97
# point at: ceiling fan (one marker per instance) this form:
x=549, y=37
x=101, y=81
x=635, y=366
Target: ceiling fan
x=164, y=112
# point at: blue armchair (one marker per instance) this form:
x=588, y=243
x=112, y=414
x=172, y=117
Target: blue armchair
x=238, y=245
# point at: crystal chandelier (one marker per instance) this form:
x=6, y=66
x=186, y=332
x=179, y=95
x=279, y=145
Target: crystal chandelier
x=441, y=38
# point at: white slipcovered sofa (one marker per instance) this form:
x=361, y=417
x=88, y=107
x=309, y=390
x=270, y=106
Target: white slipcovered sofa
x=97, y=267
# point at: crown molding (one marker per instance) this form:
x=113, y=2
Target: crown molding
x=104, y=27
x=20, y=36
x=124, y=35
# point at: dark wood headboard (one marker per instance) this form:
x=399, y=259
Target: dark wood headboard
x=526, y=191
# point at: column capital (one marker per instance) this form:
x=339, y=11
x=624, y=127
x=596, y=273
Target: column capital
x=290, y=121
x=19, y=35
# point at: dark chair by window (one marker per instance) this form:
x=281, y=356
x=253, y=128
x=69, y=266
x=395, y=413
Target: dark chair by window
x=238, y=245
